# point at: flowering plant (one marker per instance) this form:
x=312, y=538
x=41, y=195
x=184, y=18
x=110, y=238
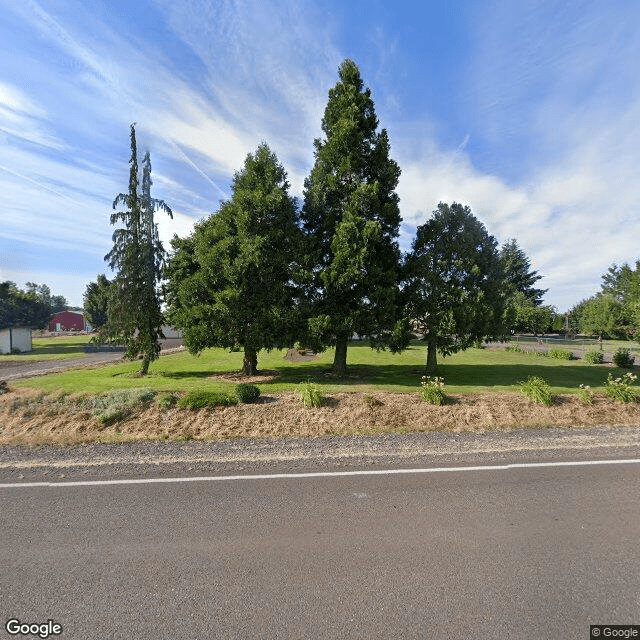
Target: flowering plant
x=621, y=389
x=432, y=390
x=585, y=393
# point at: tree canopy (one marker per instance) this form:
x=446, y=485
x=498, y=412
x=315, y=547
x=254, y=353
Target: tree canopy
x=134, y=315
x=453, y=282
x=22, y=308
x=231, y=283
x=96, y=301
x=351, y=219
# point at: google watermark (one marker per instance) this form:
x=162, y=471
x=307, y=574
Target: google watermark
x=40, y=629
x=614, y=631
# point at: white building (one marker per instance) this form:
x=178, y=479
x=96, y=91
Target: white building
x=15, y=339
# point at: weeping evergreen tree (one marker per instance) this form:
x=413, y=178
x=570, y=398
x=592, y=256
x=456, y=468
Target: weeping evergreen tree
x=351, y=218
x=134, y=315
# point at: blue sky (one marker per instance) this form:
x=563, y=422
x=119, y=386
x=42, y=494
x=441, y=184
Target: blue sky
x=526, y=111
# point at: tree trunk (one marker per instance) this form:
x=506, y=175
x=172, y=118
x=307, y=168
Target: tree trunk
x=432, y=364
x=340, y=359
x=146, y=361
x=250, y=362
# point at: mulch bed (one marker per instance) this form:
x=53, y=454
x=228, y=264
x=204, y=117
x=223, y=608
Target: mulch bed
x=299, y=355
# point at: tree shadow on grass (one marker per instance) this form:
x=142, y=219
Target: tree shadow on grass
x=181, y=375
x=463, y=375
x=60, y=349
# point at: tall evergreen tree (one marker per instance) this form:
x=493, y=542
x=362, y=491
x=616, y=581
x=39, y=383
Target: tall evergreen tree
x=137, y=257
x=518, y=275
x=231, y=283
x=453, y=282
x=351, y=218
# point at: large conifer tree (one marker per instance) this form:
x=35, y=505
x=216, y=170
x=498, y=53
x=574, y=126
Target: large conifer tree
x=454, y=282
x=231, y=282
x=137, y=257
x=351, y=218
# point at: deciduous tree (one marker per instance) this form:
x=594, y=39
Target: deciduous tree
x=96, y=301
x=21, y=308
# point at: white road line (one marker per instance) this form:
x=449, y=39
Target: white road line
x=319, y=474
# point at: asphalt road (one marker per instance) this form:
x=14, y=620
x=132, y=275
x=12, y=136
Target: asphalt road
x=509, y=552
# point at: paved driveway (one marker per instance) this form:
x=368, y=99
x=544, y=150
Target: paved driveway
x=12, y=370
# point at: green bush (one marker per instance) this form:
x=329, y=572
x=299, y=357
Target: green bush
x=200, y=398
x=621, y=389
x=166, y=400
x=594, y=357
x=537, y=389
x=585, y=394
x=514, y=348
x=432, y=390
x=560, y=354
x=310, y=394
x=623, y=358
x=117, y=405
x=247, y=393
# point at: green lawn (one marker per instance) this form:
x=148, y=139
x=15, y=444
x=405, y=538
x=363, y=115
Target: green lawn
x=581, y=344
x=472, y=371
x=51, y=349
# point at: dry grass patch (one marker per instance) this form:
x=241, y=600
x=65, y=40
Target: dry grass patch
x=26, y=416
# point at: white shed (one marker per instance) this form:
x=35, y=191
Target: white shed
x=15, y=339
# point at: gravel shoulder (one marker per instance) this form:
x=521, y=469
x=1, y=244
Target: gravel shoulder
x=154, y=459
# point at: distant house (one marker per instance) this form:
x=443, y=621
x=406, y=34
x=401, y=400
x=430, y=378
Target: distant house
x=14, y=339
x=171, y=332
x=67, y=321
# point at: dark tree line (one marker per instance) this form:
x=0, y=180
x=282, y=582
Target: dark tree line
x=32, y=307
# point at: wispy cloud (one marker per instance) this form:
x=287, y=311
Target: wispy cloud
x=547, y=151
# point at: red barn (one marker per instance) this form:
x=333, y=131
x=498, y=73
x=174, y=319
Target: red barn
x=66, y=321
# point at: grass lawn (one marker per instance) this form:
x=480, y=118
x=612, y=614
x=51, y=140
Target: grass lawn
x=582, y=344
x=64, y=347
x=472, y=371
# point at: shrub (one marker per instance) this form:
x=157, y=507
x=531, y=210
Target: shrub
x=560, y=354
x=515, y=348
x=585, y=394
x=166, y=400
x=200, y=398
x=247, y=393
x=117, y=405
x=432, y=390
x=623, y=358
x=310, y=394
x=621, y=389
x=594, y=357
x=537, y=389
